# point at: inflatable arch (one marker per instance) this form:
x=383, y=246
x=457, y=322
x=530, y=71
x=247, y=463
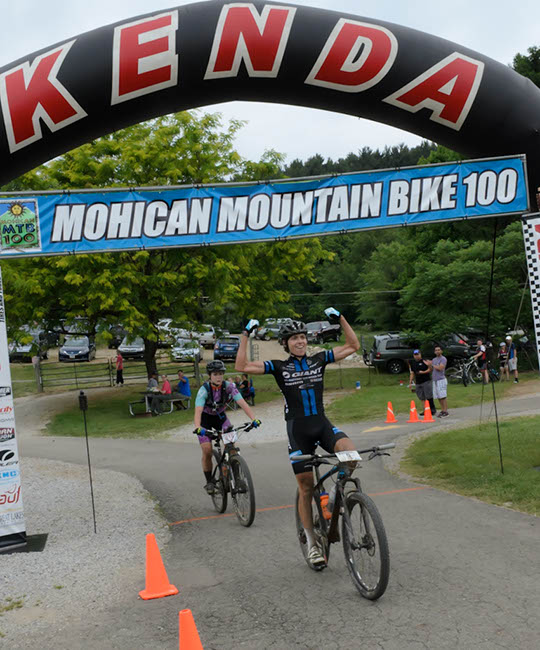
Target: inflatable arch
x=210, y=52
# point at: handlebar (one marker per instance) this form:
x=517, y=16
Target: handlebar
x=214, y=434
x=323, y=457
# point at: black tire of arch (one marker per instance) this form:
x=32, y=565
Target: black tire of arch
x=497, y=123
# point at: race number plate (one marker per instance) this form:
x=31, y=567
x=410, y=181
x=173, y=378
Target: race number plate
x=230, y=436
x=344, y=456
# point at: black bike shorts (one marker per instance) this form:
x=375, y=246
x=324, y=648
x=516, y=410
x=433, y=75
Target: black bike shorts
x=305, y=434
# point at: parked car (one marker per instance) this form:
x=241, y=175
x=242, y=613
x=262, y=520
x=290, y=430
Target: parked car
x=227, y=347
x=207, y=338
x=132, y=348
x=77, y=348
x=393, y=351
x=322, y=331
x=270, y=328
x=186, y=350
x=31, y=343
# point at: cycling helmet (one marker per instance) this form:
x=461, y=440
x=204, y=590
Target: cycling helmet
x=215, y=366
x=290, y=329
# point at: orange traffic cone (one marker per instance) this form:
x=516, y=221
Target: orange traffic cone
x=427, y=412
x=390, y=414
x=189, y=637
x=413, y=417
x=157, y=582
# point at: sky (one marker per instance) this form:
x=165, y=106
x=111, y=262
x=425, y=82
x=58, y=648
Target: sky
x=496, y=28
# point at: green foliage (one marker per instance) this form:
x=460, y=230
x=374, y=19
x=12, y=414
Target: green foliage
x=366, y=159
x=529, y=65
x=449, y=289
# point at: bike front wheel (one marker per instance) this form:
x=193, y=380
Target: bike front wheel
x=243, y=492
x=365, y=546
x=219, y=497
x=320, y=528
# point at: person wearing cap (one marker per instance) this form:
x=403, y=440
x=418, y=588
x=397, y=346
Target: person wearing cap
x=512, y=358
x=421, y=375
x=503, y=361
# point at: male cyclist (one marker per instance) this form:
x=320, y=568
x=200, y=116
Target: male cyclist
x=210, y=406
x=300, y=379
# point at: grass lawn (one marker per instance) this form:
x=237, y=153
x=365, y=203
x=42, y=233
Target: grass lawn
x=371, y=400
x=466, y=461
x=108, y=416
x=23, y=379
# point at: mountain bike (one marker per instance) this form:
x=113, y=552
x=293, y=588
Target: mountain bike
x=466, y=372
x=365, y=544
x=231, y=474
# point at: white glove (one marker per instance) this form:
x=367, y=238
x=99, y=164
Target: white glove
x=252, y=325
x=332, y=314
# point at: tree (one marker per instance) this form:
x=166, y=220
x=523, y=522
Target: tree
x=529, y=65
x=139, y=288
x=450, y=287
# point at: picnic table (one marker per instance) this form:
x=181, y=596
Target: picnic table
x=169, y=400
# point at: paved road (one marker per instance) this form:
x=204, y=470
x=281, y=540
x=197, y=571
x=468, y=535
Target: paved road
x=464, y=573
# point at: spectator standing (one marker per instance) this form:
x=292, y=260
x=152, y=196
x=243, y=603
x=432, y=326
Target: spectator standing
x=119, y=369
x=183, y=388
x=440, y=382
x=421, y=375
x=512, y=358
x=481, y=360
x=503, y=361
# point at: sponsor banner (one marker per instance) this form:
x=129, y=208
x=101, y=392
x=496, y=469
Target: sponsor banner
x=531, y=236
x=97, y=222
x=11, y=505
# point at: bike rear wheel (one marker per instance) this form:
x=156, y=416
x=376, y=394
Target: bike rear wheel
x=320, y=528
x=219, y=497
x=365, y=546
x=243, y=493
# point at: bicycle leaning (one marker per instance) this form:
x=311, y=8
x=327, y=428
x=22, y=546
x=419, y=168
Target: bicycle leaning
x=365, y=544
x=231, y=474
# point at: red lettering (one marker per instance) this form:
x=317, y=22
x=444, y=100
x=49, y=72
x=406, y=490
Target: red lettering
x=537, y=228
x=355, y=57
x=144, y=57
x=11, y=496
x=32, y=92
x=258, y=40
x=448, y=89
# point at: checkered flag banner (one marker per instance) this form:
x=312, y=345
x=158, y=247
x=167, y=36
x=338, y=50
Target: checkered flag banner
x=531, y=236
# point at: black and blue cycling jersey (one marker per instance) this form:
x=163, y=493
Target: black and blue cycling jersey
x=301, y=382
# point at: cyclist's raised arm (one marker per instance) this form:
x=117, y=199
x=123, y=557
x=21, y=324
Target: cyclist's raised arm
x=242, y=364
x=351, y=340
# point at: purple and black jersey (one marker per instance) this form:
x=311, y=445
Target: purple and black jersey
x=301, y=382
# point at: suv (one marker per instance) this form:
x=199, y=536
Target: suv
x=322, y=331
x=394, y=350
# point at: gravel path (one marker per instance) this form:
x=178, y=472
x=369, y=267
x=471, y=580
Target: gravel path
x=77, y=569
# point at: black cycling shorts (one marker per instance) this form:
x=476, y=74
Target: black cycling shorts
x=305, y=434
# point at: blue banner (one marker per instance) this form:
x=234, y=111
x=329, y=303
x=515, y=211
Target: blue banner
x=91, y=222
